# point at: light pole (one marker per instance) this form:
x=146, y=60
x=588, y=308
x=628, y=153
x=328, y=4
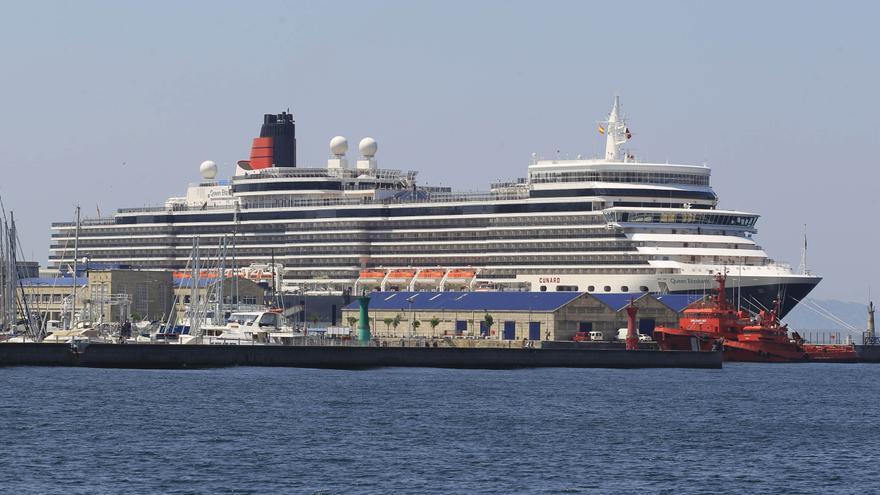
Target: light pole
x=412, y=316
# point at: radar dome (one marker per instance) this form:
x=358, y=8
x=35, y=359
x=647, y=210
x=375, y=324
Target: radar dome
x=338, y=145
x=208, y=169
x=368, y=147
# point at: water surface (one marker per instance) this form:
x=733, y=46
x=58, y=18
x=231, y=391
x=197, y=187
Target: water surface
x=808, y=428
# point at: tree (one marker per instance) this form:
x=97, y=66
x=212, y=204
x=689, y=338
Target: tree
x=314, y=320
x=388, y=321
x=489, y=321
x=395, y=322
x=136, y=317
x=434, y=322
x=416, y=324
x=352, y=321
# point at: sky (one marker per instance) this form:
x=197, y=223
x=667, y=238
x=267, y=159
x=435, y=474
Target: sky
x=115, y=104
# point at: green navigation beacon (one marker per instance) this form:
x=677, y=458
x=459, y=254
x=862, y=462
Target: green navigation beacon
x=364, y=323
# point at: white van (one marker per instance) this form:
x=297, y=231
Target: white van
x=596, y=336
x=621, y=336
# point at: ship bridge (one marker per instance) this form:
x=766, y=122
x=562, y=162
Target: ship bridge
x=726, y=219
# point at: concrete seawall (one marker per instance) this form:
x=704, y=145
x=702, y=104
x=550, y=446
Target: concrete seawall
x=342, y=357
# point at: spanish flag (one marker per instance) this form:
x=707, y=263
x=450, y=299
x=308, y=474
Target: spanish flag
x=601, y=130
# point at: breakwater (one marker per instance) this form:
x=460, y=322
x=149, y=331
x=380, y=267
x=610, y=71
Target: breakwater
x=341, y=357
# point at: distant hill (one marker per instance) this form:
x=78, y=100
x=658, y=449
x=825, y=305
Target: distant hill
x=803, y=317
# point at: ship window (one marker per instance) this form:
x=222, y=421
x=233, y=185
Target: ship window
x=543, y=288
x=607, y=288
x=591, y=288
x=624, y=288
x=643, y=288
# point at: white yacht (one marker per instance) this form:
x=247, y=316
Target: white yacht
x=612, y=224
x=245, y=328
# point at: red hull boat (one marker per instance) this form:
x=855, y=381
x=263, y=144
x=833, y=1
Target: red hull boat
x=710, y=324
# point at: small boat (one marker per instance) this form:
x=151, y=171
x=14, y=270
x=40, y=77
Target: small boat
x=709, y=324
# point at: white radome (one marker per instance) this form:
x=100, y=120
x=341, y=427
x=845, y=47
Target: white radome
x=208, y=169
x=339, y=145
x=368, y=147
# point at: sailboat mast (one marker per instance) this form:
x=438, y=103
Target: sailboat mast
x=75, y=269
x=221, y=290
x=194, y=294
x=234, y=260
x=4, y=269
x=274, y=284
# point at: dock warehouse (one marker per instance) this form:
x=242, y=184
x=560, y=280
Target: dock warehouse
x=513, y=315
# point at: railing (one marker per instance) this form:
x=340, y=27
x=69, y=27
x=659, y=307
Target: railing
x=432, y=198
x=828, y=336
x=86, y=221
x=349, y=173
x=376, y=341
x=868, y=340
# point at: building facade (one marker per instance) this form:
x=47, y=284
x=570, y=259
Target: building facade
x=512, y=315
x=105, y=296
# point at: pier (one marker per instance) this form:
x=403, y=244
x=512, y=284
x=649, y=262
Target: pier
x=169, y=356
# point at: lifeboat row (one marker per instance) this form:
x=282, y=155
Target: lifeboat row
x=409, y=278
x=713, y=324
x=256, y=273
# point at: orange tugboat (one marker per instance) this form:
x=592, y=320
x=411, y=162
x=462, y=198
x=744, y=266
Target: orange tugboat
x=709, y=324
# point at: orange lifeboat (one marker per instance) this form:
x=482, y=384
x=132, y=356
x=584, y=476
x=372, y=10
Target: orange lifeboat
x=372, y=274
x=428, y=274
x=202, y=274
x=462, y=274
x=401, y=274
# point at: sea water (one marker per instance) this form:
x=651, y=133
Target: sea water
x=749, y=428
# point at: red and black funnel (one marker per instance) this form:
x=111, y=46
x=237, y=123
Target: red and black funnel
x=276, y=146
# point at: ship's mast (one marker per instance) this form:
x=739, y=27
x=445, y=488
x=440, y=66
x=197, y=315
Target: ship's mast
x=871, y=333
x=615, y=131
x=804, y=270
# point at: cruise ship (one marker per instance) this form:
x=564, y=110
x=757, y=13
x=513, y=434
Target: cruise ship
x=612, y=224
